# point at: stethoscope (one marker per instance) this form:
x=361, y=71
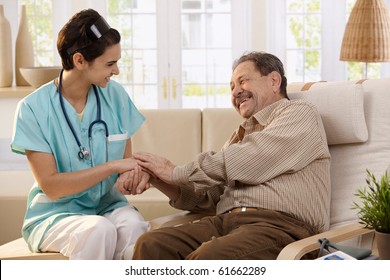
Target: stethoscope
x=84, y=153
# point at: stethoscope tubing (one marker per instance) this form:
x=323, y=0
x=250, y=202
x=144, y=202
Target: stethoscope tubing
x=84, y=153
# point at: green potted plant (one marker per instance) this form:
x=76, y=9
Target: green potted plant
x=374, y=210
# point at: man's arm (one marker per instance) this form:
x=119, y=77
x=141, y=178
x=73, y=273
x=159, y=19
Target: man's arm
x=292, y=139
x=171, y=191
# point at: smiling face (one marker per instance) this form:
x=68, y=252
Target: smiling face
x=251, y=92
x=105, y=66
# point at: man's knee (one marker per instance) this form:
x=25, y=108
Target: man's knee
x=163, y=244
x=210, y=250
x=146, y=246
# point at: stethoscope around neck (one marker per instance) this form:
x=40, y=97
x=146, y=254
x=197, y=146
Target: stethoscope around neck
x=84, y=153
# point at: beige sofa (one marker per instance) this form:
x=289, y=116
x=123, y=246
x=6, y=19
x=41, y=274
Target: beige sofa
x=356, y=117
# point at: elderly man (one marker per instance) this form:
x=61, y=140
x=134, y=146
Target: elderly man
x=268, y=186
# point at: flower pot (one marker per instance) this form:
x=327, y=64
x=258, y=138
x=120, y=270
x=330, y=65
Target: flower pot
x=383, y=243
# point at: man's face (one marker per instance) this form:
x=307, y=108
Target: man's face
x=251, y=91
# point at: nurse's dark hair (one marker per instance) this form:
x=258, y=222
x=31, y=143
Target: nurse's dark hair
x=265, y=63
x=78, y=36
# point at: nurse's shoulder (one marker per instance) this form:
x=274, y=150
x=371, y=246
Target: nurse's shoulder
x=115, y=92
x=41, y=94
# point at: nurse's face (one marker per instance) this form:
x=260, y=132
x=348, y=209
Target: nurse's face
x=105, y=66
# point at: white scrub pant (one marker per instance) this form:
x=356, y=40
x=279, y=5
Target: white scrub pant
x=94, y=237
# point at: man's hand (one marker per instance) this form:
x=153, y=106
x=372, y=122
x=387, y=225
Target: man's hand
x=157, y=166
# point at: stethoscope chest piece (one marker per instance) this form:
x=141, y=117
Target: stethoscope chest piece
x=83, y=152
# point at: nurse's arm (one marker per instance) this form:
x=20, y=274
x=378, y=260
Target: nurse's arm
x=56, y=185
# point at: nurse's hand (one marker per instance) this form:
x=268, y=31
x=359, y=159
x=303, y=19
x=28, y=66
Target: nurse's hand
x=133, y=182
x=123, y=165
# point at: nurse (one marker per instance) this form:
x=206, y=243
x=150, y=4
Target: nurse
x=75, y=132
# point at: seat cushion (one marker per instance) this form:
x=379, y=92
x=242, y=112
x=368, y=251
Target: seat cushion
x=18, y=250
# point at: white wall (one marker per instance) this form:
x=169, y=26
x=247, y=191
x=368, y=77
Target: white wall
x=15, y=177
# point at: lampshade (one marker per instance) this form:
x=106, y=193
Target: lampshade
x=367, y=34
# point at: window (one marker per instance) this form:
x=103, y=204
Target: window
x=136, y=21
x=309, y=39
x=41, y=29
x=206, y=43
x=178, y=53
x=175, y=53
x=303, y=31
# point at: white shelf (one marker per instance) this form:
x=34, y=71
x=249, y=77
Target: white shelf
x=12, y=92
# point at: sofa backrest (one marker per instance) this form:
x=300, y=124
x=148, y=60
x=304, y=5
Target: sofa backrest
x=218, y=124
x=171, y=133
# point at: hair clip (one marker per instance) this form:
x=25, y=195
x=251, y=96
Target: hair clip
x=98, y=29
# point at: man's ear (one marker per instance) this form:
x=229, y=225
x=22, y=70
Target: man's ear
x=276, y=81
x=79, y=61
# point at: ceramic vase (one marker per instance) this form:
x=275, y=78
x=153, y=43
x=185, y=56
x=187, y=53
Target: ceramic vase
x=6, y=69
x=383, y=243
x=24, y=51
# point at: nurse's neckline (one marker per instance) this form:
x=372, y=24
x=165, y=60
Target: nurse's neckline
x=78, y=106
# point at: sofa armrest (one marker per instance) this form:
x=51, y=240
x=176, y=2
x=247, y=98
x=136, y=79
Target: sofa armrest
x=176, y=219
x=298, y=249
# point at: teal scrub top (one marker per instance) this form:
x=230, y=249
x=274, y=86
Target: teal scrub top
x=40, y=126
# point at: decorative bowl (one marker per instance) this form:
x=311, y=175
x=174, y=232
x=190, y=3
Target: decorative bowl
x=40, y=75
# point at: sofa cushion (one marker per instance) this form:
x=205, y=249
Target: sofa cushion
x=218, y=124
x=18, y=250
x=342, y=111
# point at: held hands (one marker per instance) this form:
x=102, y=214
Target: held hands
x=142, y=168
x=159, y=167
x=133, y=182
x=132, y=179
